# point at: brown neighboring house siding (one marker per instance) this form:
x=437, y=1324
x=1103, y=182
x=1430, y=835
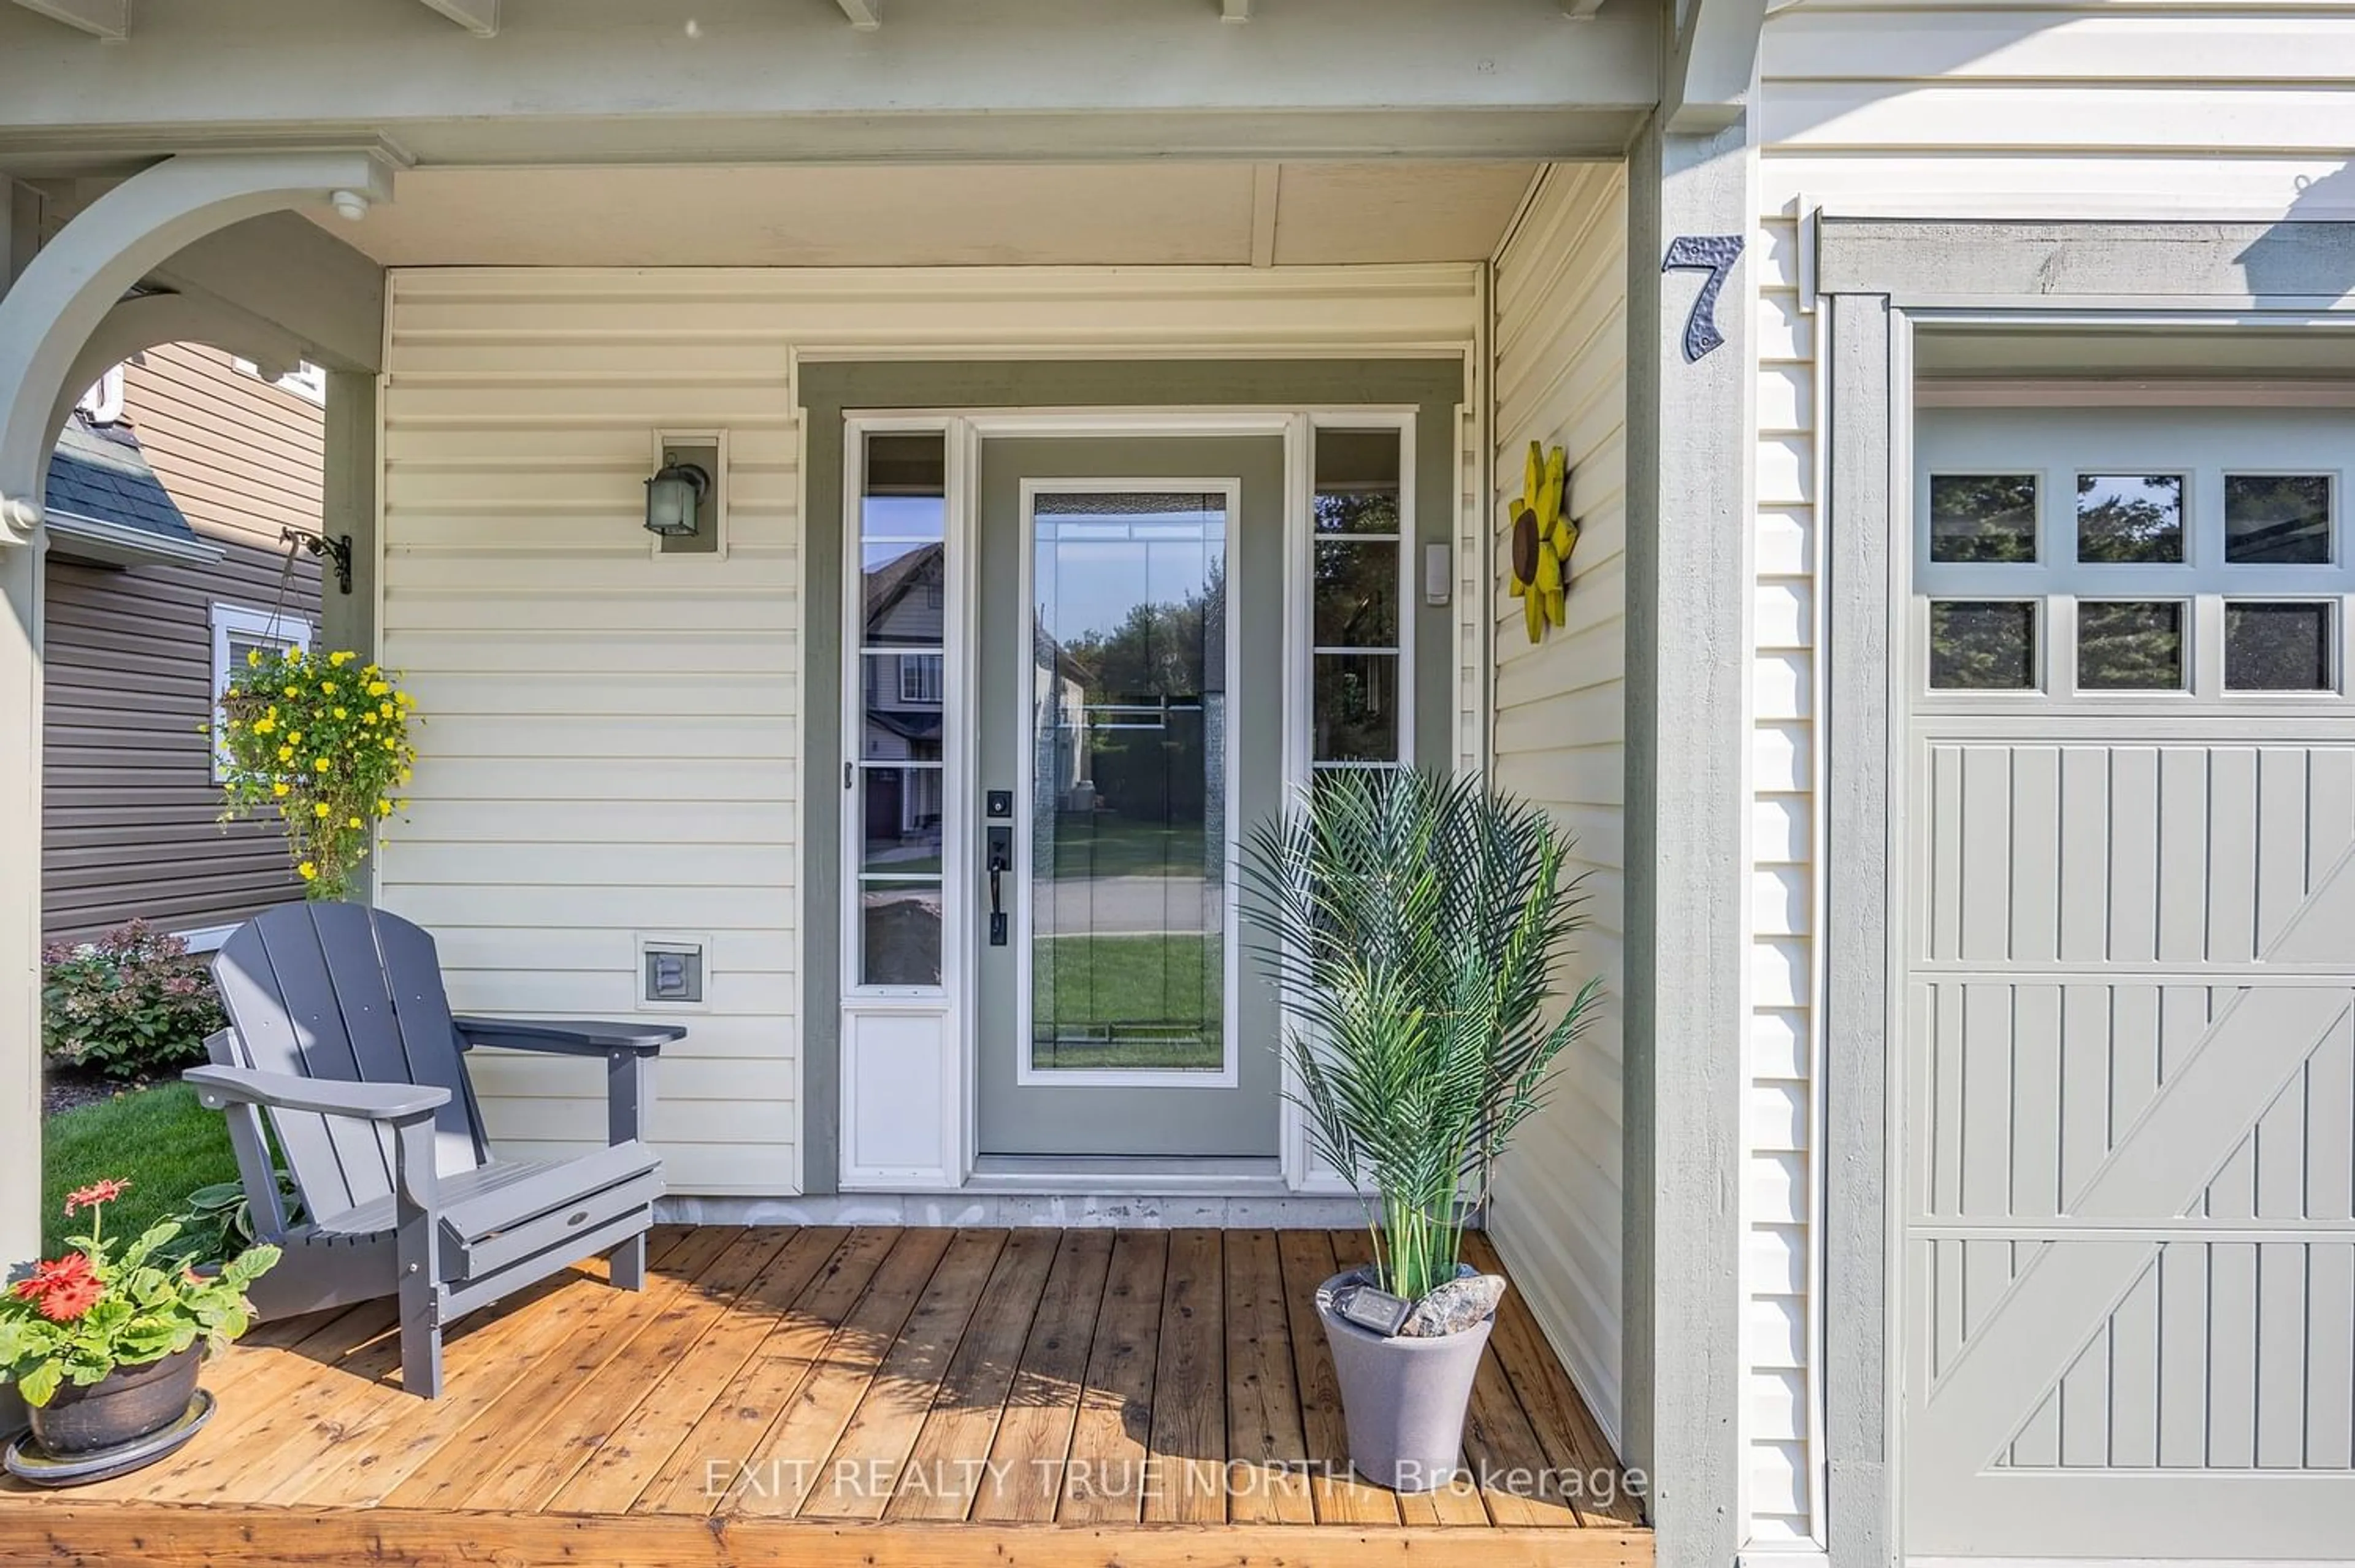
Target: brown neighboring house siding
x=130, y=811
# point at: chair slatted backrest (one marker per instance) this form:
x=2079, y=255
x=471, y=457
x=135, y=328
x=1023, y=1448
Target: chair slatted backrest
x=343, y=992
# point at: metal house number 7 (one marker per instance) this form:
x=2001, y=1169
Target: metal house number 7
x=1714, y=254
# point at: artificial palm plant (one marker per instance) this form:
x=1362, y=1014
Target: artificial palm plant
x=1416, y=924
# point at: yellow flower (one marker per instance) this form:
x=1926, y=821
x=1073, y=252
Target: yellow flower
x=294, y=655
x=285, y=753
x=403, y=778
x=385, y=708
x=384, y=808
x=264, y=726
x=339, y=713
x=321, y=765
x=368, y=718
x=253, y=658
x=310, y=871
x=291, y=692
x=280, y=789
x=404, y=699
x=355, y=821
x=339, y=658
x=320, y=810
x=328, y=687
x=377, y=689
x=295, y=737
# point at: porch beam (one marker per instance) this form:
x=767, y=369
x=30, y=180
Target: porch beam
x=1711, y=60
x=480, y=17
x=106, y=20
x=761, y=82
x=866, y=16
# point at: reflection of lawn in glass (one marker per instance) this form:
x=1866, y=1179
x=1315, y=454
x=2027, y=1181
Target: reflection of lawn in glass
x=1128, y=1001
x=1109, y=846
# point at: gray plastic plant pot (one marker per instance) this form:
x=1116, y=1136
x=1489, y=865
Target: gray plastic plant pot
x=1403, y=1400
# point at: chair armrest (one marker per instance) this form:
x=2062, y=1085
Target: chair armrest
x=567, y=1038
x=218, y=1086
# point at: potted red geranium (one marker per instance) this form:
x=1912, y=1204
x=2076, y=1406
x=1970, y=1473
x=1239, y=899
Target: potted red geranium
x=103, y=1342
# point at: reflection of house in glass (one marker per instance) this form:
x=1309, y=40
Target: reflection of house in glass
x=904, y=679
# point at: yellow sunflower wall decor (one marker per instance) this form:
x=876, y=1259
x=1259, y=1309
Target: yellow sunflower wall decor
x=1544, y=537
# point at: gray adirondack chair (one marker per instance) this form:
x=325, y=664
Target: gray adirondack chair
x=341, y=1037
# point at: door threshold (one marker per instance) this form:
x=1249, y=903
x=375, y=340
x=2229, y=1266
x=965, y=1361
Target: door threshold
x=1145, y=1174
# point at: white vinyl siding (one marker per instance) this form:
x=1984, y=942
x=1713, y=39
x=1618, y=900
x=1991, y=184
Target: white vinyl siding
x=1948, y=108
x=1561, y=380
x=611, y=740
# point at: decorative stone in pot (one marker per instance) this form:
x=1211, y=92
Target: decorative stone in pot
x=1402, y=1396
x=121, y=1407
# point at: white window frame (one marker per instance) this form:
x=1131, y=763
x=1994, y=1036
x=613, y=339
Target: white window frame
x=2203, y=582
x=231, y=621
x=1301, y=592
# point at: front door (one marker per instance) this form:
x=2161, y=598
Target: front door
x=1130, y=640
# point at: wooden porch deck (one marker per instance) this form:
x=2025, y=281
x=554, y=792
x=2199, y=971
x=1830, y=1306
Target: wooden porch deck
x=874, y=1395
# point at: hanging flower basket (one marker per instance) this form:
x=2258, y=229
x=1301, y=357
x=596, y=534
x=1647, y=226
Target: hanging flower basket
x=325, y=743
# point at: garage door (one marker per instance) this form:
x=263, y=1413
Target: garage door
x=2128, y=1070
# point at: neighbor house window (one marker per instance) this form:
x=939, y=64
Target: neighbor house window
x=237, y=632
x=919, y=678
x=307, y=380
x=1358, y=674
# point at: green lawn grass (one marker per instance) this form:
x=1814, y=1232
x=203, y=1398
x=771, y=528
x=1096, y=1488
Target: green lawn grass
x=1130, y=1001
x=160, y=1138
x=1109, y=845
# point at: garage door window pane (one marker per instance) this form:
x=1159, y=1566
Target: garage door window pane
x=2130, y=646
x=2278, y=520
x=1982, y=517
x=1982, y=645
x=2277, y=648
x=2130, y=518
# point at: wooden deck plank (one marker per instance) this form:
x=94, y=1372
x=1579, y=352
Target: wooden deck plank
x=1105, y=1482
x=943, y=1471
x=589, y=1407
x=1267, y=1451
x=161, y=1536
x=862, y=1473
x=628, y=1458
x=1023, y=1478
x=703, y=1467
x=1339, y=1496
x=379, y=1457
x=1011, y=1362
x=258, y=1412
x=1573, y=1442
x=501, y=1424
x=1458, y=1503
x=1190, y=1394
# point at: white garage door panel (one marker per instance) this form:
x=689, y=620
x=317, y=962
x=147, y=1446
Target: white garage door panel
x=2130, y=1248
x=2128, y=1072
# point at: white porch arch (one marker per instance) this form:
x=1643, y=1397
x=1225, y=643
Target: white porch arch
x=66, y=292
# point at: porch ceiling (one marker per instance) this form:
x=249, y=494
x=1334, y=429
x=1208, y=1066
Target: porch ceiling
x=963, y=215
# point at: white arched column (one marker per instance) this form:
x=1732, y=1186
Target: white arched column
x=49, y=317
x=79, y=277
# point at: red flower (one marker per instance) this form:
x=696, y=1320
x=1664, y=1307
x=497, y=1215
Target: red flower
x=63, y=1290
x=106, y=1189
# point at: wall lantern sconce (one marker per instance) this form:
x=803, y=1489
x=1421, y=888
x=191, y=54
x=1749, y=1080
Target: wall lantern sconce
x=686, y=509
x=673, y=498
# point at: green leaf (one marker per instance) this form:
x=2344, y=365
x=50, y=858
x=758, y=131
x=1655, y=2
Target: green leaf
x=39, y=1383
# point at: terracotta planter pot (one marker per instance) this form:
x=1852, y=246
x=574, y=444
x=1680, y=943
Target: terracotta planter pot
x=1403, y=1400
x=121, y=1407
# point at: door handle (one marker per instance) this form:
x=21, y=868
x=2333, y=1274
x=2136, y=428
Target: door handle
x=1001, y=860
